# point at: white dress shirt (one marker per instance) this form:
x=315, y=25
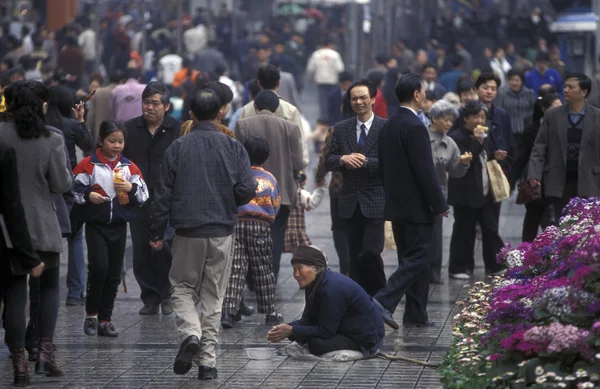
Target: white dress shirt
x=367, y=124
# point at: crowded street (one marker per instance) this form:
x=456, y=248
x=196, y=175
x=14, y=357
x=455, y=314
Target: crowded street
x=300, y=194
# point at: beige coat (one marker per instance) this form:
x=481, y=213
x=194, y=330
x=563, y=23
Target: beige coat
x=98, y=109
x=285, y=146
x=285, y=111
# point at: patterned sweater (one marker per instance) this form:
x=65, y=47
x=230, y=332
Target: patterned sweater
x=265, y=204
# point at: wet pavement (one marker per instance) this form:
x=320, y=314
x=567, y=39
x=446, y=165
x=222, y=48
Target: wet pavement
x=142, y=355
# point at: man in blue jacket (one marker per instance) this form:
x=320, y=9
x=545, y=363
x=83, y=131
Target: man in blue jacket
x=542, y=74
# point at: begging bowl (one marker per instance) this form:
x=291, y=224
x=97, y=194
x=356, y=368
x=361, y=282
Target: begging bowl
x=260, y=353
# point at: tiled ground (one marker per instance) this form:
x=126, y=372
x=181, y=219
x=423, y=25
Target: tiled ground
x=142, y=356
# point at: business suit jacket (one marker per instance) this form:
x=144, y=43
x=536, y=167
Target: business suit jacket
x=98, y=109
x=363, y=186
x=22, y=257
x=42, y=169
x=412, y=191
x=548, y=160
x=468, y=189
x=285, y=146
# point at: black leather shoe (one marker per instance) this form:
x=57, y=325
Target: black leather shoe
x=90, y=326
x=387, y=316
x=107, y=329
x=207, y=373
x=227, y=321
x=418, y=324
x=187, y=351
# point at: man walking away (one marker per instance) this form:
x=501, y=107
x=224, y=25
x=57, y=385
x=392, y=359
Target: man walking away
x=413, y=197
x=206, y=165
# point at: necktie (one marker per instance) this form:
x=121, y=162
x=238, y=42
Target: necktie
x=362, y=137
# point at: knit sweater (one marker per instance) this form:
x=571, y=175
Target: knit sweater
x=265, y=204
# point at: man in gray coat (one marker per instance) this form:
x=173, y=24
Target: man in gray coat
x=206, y=165
x=566, y=154
x=285, y=159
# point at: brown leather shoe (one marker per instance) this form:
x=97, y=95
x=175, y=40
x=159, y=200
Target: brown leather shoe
x=45, y=362
x=20, y=368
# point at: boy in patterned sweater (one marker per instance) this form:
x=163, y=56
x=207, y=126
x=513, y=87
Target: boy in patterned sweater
x=253, y=245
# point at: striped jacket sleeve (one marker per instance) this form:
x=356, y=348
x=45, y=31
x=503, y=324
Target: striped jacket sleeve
x=82, y=182
x=139, y=193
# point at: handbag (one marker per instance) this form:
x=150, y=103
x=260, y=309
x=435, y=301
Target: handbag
x=528, y=192
x=498, y=183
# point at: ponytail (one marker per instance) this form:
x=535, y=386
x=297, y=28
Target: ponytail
x=26, y=108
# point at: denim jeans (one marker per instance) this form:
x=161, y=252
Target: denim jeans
x=76, y=269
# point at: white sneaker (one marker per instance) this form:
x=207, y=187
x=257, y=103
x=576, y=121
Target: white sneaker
x=460, y=276
x=499, y=273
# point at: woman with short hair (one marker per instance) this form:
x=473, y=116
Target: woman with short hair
x=448, y=162
x=338, y=315
x=472, y=200
x=42, y=170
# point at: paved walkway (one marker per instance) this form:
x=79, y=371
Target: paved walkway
x=142, y=355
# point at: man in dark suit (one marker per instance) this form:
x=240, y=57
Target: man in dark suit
x=566, y=156
x=353, y=151
x=413, y=197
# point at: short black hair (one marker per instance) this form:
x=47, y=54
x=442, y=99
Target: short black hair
x=269, y=77
x=585, y=83
x=220, y=70
x=266, y=99
x=345, y=77
x=157, y=88
x=205, y=104
x=464, y=85
x=133, y=73
x=430, y=95
x=485, y=77
x=514, y=72
x=546, y=89
x=429, y=65
x=323, y=120
x=473, y=108
x=117, y=76
x=253, y=88
x=372, y=88
x=456, y=61
x=223, y=91
x=382, y=59
x=257, y=149
x=376, y=78
x=406, y=87
x=542, y=56
x=8, y=62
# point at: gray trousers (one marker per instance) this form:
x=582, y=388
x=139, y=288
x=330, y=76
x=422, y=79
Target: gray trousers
x=199, y=274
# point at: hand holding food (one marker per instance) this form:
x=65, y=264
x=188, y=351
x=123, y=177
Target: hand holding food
x=466, y=158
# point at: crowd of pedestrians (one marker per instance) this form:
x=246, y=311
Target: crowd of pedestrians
x=203, y=154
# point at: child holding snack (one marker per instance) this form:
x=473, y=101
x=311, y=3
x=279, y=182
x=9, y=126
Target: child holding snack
x=109, y=187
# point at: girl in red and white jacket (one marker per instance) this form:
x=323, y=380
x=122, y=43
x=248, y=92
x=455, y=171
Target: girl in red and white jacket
x=109, y=187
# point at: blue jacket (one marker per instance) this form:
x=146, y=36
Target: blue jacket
x=534, y=79
x=449, y=79
x=343, y=308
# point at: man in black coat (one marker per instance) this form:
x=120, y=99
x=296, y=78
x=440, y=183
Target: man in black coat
x=413, y=198
x=353, y=151
x=148, y=137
